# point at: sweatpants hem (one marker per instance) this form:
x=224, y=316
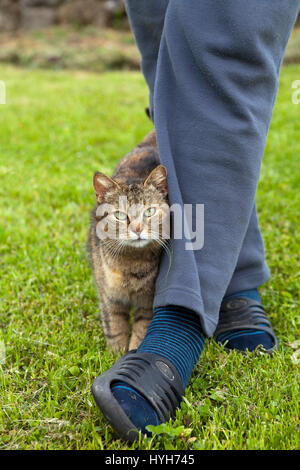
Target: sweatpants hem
x=249, y=281
x=185, y=298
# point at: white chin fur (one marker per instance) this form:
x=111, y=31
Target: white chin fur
x=137, y=243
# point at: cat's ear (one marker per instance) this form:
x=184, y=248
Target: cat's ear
x=102, y=183
x=158, y=178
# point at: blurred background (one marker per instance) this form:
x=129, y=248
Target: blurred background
x=91, y=35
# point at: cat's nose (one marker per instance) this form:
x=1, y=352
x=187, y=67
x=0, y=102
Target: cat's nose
x=138, y=228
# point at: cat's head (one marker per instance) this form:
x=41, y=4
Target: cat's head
x=135, y=215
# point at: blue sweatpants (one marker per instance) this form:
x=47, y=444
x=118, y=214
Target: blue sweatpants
x=212, y=68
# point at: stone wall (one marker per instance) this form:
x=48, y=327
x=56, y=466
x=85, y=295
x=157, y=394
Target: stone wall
x=36, y=14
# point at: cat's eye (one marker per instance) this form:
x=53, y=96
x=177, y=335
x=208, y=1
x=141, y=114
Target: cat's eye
x=149, y=212
x=120, y=215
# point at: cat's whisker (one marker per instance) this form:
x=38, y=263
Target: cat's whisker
x=119, y=248
x=113, y=247
x=166, y=248
x=114, y=251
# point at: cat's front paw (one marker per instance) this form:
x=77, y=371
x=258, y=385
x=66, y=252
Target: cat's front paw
x=134, y=343
x=117, y=348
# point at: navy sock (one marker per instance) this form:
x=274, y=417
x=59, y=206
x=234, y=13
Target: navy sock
x=175, y=334
x=245, y=339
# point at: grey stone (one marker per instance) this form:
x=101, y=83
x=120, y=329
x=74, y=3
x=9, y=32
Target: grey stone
x=83, y=13
x=8, y=22
x=9, y=15
x=33, y=18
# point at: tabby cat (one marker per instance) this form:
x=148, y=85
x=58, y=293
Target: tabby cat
x=132, y=201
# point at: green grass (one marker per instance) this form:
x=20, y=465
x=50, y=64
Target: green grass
x=56, y=130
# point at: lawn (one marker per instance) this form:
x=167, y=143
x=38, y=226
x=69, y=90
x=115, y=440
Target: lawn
x=57, y=128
